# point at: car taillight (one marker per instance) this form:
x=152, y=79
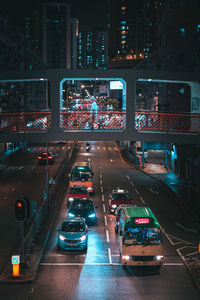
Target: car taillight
x=50, y=156
x=39, y=157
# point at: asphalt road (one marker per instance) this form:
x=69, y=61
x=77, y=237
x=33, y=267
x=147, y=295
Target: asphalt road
x=98, y=274
x=23, y=178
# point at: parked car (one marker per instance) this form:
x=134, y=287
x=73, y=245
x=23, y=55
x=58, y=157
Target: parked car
x=77, y=191
x=42, y=157
x=84, y=208
x=117, y=197
x=72, y=234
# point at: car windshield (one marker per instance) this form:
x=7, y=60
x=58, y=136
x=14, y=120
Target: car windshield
x=78, y=191
x=82, y=169
x=81, y=176
x=120, y=196
x=142, y=236
x=82, y=204
x=73, y=227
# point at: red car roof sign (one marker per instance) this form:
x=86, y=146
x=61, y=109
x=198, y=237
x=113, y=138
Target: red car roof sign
x=142, y=221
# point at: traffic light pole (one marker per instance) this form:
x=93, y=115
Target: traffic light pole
x=47, y=176
x=22, y=240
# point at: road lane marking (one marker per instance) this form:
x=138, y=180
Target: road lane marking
x=100, y=175
x=136, y=191
x=33, y=167
x=107, y=236
x=13, y=189
x=105, y=219
x=128, y=177
x=142, y=200
x=102, y=196
x=186, y=229
x=109, y=255
x=101, y=189
x=98, y=264
x=104, y=208
x=21, y=167
x=101, y=182
x=132, y=184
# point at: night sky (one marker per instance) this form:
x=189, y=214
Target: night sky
x=91, y=13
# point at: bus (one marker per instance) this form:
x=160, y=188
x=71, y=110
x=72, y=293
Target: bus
x=141, y=243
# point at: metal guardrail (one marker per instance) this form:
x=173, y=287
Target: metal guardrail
x=43, y=210
x=100, y=120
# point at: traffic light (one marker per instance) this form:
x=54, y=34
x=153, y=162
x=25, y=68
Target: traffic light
x=20, y=210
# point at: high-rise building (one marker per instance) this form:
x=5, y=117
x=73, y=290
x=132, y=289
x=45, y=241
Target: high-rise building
x=93, y=50
x=56, y=35
x=132, y=30
x=74, y=42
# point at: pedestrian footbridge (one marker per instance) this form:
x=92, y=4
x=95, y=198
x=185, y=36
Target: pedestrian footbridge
x=47, y=105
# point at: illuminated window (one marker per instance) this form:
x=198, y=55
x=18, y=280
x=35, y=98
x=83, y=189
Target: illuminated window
x=123, y=8
x=182, y=32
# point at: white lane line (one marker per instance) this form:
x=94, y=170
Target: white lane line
x=191, y=254
x=132, y=184
x=13, y=189
x=136, y=191
x=100, y=175
x=128, y=177
x=33, y=167
x=101, y=189
x=109, y=255
x=99, y=264
x=21, y=167
x=107, y=236
x=105, y=219
x=77, y=264
x=101, y=183
x=104, y=208
x=142, y=200
x=102, y=196
x=170, y=240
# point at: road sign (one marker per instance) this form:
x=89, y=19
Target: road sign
x=52, y=181
x=15, y=259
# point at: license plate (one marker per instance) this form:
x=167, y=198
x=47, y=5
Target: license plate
x=73, y=245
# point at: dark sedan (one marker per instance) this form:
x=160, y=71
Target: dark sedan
x=43, y=156
x=84, y=208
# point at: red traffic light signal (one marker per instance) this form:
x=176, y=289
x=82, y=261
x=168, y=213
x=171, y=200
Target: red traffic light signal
x=20, y=210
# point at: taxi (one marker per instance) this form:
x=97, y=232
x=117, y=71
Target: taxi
x=117, y=197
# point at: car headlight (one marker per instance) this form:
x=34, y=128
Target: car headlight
x=89, y=189
x=71, y=199
x=114, y=206
x=159, y=257
x=126, y=257
x=70, y=214
x=61, y=237
x=83, y=237
x=92, y=215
